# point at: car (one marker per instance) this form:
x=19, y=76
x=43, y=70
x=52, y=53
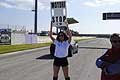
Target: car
x=73, y=48
x=44, y=33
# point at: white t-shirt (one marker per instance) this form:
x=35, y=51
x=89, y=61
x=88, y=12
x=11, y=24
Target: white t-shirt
x=61, y=49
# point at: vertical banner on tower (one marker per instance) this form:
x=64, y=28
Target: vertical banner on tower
x=58, y=13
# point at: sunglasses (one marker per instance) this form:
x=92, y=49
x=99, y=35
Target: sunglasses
x=61, y=35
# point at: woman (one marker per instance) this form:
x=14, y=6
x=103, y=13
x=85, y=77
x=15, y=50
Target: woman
x=62, y=43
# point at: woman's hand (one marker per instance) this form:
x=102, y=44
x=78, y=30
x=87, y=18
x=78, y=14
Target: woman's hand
x=66, y=22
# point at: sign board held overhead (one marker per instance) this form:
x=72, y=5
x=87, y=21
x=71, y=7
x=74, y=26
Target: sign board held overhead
x=58, y=13
x=111, y=16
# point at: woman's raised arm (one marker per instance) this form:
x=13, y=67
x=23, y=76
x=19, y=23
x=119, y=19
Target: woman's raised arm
x=68, y=32
x=51, y=33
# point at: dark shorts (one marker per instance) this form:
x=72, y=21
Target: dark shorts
x=60, y=61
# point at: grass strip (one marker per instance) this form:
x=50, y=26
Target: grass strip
x=12, y=48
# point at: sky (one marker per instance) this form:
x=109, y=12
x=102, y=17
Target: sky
x=18, y=14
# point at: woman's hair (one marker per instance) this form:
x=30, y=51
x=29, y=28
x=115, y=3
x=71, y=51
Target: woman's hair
x=115, y=35
x=65, y=36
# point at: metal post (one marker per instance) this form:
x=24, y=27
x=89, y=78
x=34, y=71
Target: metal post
x=35, y=24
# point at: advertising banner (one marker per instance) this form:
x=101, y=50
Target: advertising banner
x=5, y=36
x=111, y=16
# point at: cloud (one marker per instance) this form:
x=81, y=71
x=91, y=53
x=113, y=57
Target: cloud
x=90, y=4
x=2, y=4
x=28, y=4
x=97, y=3
x=24, y=4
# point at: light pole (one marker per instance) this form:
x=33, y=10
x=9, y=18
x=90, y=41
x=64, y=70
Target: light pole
x=35, y=23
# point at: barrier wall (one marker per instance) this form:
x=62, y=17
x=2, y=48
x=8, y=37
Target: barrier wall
x=31, y=39
x=23, y=38
x=17, y=38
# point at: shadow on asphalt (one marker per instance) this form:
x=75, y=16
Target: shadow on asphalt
x=45, y=57
x=93, y=48
x=48, y=56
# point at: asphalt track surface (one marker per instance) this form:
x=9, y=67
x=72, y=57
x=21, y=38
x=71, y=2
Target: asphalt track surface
x=37, y=64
